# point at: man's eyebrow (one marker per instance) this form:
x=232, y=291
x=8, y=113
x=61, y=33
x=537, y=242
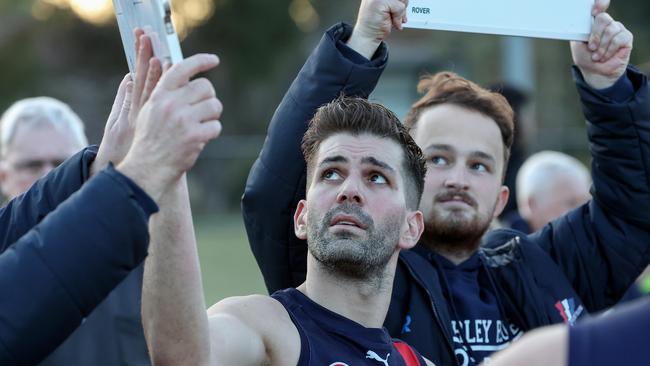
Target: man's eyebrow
x=475, y=154
x=333, y=159
x=483, y=155
x=378, y=163
x=438, y=147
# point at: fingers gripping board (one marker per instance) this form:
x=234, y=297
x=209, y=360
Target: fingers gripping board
x=154, y=17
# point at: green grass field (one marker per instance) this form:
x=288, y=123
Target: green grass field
x=227, y=263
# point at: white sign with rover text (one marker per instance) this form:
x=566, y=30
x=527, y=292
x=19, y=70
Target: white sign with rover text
x=555, y=19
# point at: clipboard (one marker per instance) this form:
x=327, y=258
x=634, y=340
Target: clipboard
x=552, y=19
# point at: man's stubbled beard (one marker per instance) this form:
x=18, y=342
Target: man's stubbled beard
x=349, y=254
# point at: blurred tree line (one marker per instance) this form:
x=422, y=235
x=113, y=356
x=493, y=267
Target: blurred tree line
x=262, y=45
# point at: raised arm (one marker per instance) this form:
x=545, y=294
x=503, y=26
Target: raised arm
x=173, y=307
x=277, y=179
x=177, y=327
x=58, y=272
x=604, y=245
x=85, y=247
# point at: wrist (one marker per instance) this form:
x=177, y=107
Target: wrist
x=98, y=164
x=94, y=168
x=363, y=44
x=141, y=176
x=599, y=81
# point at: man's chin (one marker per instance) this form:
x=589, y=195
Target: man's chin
x=453, y=221
x=463, y=213
x=349, y=262
x=344, y=233
x=455, y=229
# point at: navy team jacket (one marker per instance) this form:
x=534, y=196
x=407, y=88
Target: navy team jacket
x=64, y=248
x=584, y=260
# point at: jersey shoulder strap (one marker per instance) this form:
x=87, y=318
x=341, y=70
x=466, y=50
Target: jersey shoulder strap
x=410, y=356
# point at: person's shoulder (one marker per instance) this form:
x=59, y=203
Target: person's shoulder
x=249, y=306
x=263, y=314
x=257, y=321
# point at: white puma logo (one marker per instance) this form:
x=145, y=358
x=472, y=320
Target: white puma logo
x=373, y=356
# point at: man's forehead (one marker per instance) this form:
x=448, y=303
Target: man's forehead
x=360, y=148
x=458, y=129
x=43, y=140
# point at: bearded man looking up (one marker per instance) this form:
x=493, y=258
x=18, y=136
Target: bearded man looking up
x=365, y=179
x=460, y=295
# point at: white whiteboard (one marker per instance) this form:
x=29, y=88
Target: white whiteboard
x=555, y=19
x=154, y=17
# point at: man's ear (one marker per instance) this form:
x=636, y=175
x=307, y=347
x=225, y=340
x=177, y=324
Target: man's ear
x=532, y=204
x=300, y=220
x=412, y=230
x=4, y=173
x=502, y=200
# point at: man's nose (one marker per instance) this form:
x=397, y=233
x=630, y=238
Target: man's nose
x=457, y=178
x=351, y=191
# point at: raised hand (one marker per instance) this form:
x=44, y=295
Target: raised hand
x=148, y=71
x=374, y=24
x=173, y=126
x=131, y=95
x=604, y=58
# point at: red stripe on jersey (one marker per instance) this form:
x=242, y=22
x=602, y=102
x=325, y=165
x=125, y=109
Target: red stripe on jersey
x=408, y=354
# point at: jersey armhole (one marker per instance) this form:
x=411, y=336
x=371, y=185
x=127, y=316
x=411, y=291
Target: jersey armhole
x=305, y=347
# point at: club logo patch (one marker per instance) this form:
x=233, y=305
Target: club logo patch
x=568, y=311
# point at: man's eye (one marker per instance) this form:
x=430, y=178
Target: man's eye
x=480, y=167
x=331, y=175
x=438, y=160
x=378, y=179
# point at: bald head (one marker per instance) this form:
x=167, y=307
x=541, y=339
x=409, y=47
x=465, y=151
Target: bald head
x=550, y=184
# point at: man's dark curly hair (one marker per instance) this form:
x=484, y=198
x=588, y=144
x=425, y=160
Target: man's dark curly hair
x=358, y=116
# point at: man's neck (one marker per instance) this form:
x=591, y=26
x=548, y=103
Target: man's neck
x=363, y=301
x=455, y=256
x=454, y=253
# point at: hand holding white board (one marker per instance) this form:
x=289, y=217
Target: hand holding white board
x=556, y=19
x=154, y=18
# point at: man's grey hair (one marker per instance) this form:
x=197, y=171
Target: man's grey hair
x=542, y=168
x=32, y=112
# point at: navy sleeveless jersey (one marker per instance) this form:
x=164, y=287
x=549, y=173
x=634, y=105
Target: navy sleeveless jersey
x=329, y=339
